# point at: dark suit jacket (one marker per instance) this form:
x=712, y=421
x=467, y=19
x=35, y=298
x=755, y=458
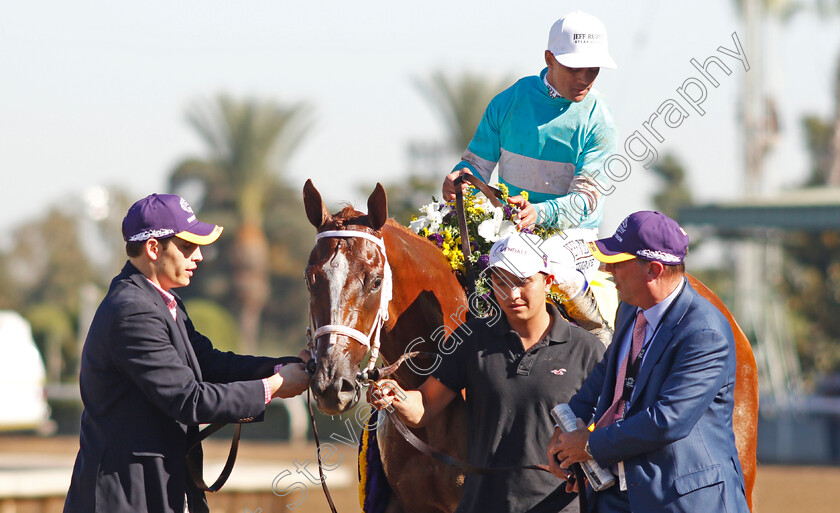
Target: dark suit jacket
x=147, y=381
x=676, y=439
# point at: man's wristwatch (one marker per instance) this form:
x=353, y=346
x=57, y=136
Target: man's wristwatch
x=586, y=448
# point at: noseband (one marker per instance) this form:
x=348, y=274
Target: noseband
x=370, y=340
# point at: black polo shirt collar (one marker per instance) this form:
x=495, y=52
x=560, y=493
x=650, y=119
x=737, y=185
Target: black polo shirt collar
x=560, y=333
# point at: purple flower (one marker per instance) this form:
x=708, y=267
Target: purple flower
x=483, y=260
x=437, y=239
x=508, y=211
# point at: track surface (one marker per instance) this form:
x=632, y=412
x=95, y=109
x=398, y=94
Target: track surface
x=778, y=490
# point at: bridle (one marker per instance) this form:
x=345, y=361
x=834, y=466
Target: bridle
x=371, y=340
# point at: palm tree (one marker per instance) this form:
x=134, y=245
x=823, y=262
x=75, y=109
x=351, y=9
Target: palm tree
x=249, y=144
x=460, y=101
x=674, y=193
x=784, y=10
x=832, y=7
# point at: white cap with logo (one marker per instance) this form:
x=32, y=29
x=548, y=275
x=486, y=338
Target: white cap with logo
x=579, y=40
x=519, y=254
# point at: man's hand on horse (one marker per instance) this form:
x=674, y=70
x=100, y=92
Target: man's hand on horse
x=385, y=393
x=566, y=449
x=448, y=190
x=292, y=378
x=527, y=213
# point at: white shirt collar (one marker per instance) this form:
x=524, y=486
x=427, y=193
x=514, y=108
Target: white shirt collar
x=551, y=91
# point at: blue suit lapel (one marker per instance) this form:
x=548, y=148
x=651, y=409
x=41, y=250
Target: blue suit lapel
x=663, y=337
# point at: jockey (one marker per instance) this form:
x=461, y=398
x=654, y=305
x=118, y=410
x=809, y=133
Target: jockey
x=551, y=135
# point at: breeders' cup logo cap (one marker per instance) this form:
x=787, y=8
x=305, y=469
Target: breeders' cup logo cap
x=165, y=215
x=579, y=40
x=520, y=254
x=648, y=235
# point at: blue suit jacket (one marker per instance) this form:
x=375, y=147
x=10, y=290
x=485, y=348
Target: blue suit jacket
x=676, y=439
x=147, y=381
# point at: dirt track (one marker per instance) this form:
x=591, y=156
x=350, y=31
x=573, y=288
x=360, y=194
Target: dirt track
x=778, y=489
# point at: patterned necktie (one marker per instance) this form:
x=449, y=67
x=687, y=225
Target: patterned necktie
x=616, y=409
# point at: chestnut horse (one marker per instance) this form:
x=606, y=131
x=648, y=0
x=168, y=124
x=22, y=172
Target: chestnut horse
x=348, y=274
x=346, y=277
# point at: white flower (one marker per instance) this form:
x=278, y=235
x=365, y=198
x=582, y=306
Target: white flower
x=432, y=217
x=483, y=203
x=497, y=227
x=435, y=218
x=506, y=228
x=418, y=224
x=429, y=209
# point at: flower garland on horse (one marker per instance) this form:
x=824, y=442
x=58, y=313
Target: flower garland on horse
x=576, y=280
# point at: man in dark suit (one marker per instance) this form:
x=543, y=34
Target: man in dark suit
x=148, y=378
x=662, y=397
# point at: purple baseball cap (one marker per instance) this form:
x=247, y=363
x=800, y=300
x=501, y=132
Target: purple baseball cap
x=648, y=235
x=164, y=215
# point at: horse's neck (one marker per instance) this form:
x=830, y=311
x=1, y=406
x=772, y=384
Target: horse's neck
x=422, y=301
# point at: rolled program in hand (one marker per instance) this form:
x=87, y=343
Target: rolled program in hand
x=599, y=478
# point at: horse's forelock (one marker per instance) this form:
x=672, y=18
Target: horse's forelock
x=347, y=217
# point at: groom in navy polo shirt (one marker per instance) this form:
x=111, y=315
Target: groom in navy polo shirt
x=514, y=368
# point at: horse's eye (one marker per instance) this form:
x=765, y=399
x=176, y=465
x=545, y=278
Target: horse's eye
x=376, y=284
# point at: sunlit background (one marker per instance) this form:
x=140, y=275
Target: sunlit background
x=235, y=104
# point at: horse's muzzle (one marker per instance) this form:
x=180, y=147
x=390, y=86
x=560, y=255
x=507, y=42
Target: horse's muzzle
x=334, y=397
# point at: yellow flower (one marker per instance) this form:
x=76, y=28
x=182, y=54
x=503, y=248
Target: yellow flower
x=524, y=194
x=475, y=211
x=456, y=261
x=504, y=190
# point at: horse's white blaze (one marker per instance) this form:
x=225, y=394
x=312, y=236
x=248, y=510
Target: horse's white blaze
x=339, y=271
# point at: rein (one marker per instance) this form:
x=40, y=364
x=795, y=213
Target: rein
x=492, y=194
x=375, y=375
x=194, y=466
x=463, y=466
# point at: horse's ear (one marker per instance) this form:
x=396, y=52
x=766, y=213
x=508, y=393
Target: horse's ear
x=316, y=211
x=378, y=207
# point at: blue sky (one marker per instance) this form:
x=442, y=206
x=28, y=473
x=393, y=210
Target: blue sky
x=94, y=93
